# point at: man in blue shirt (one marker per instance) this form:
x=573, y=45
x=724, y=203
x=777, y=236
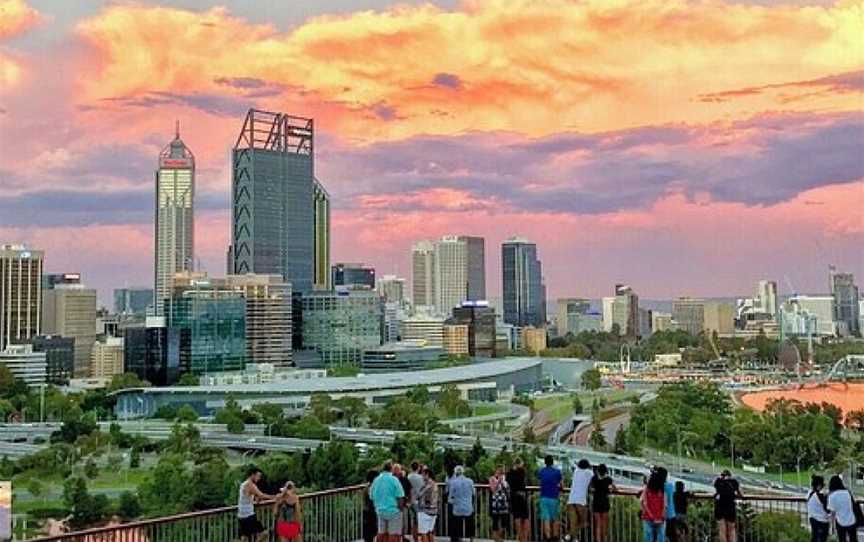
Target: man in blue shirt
x=389, y=498
x=461, y=494
x=551, y=484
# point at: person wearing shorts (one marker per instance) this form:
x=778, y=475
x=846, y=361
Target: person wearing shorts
x=551, y=484
x=519, y=499
x=389, y=499
x=577, y=501
x=249, y=528
x=427, y=507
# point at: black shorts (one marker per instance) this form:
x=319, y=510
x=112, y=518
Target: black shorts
x=519, y=505
x=500, y=522
x=462, y=526
x=250, y=527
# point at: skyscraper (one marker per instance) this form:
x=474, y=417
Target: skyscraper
x=423, y=274
x=522, y=283
x=175, y=221
x=392, y=289
x=475, y=248
x=280, y=212
x=768, y=297
x=132, y=300
x=268, y=318
x=689, y=314
x=845, y=294
x=69, y=310
x=20, y=294
x=451, y=273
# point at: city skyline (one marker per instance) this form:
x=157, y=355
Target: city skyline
x=619, y=172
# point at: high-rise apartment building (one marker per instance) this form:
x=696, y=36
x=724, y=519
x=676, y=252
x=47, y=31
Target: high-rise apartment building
x=570, y=311
x=268, y=318
x=392, y=289
x=353, y=274
x=20, y=294
x=132, y=301
x=280, y=211
x=423, y=274
x=175, y=216
x=689, y=314
x=107, y=358
x=846, y=297
x=475, y=260
x=809, y=315
x=451, y=273
x=661, y=321
x=767, y=294
x=522, y=278
x=69, y=310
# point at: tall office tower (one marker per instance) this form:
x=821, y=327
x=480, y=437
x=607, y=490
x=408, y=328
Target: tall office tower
x=689, y=314
x=353, y=274
x=423, y=274
x=522, y=283
x=321, y=202
x=69, y=310
x=451, y=273
x=133, y=301
x=20, y=294
x=277, y=202
x=268, y=318
x=846, y=309
x=768, y=297
x=175, y=220
x=475, y=248
x=628, y=301
x=392, y=289
x=570, y=312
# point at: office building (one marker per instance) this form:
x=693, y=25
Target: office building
x=175, y=216
x=846, y=298
x=423, y=275
x=719, y=317
x=20, y=294
x=761, y=308
x=455, y=337
x=107, y=358
x=152, y=352
x=280, y=212
x=211, y=319
x=59, y=357
x=451, y=273
x=767, y=295
x=132, y=301
x=69, y=310
x=808, y=314
x=533, y=339
x=570, y=309
x=481, y=321
x=645, y=321
x=321, y=219
x=394, y=314
x=50, y=280
x=424, y=327
x=400, y=356
x=689, y=314
x=475, y=260
x=523, y=292
x=338, y=326
x=268, y=318
x=354, y=275
x=621, y=312
x=392, y=289
x=661, y=321
x=26, y=365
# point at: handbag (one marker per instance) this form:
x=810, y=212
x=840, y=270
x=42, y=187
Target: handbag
x=856, y=509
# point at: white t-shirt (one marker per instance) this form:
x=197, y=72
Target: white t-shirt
x=840, y=504
x=579, y=487
x=815, y=509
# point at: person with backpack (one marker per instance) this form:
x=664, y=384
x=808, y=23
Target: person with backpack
x=727, y=490
x=653, y=505
x=817, y=511
x=845, y=511
x=499, y=504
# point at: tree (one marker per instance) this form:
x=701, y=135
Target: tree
x=85, y=508
x=451, y=402
x=235, y=425
x=125, y=381
x=128, y=506
x=135, y=457
x=184, y=439
x=621, y=446
x=597, y=440
x=344, y=370
x=352, y=408
x=187, y=414
x=592, y=380
x=528, y=435
x=165, y=490
x=419, y=395
x=35, y=488
x=322, y=408
x=207, y=484
x=188, y=380
x=91, y=469
x=577, y=405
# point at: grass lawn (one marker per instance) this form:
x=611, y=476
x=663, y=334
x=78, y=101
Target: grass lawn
x=485, y=409
x=559, y=406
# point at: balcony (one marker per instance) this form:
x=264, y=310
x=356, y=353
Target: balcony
x=337, y=515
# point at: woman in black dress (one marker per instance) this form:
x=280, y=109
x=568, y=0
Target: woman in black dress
x=519, y=500
x=602, y=486
x=370, y=519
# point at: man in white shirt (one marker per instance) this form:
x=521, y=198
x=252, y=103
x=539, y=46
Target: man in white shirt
x=577, y=502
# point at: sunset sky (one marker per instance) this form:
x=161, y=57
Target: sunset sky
x=683, y=147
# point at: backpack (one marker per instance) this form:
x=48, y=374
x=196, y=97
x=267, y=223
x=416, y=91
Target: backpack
x=500, y=501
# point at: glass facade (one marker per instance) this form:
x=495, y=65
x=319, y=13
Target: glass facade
x=59, y=357
x=212, y=327
x=340, y=325
x=524, y=303
x=152, y=353
x=322, y=237
x=348, y=274
x=132, y=300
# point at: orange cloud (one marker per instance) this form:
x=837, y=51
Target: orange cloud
x=531, y=67
x=16, y=17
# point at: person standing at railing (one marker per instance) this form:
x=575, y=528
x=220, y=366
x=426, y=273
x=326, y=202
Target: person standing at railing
x=250, y=529
x=669, y=490
x=551, y=485
x=409, y=517
x=682, y=504
x=288, y=513
x=840, y=504
x=370, y=519
x=389, y=499
x=427, y=507
x=727, y=490
x=417, y=482
x=653, y=505
x=519, y=499
x=601, y=486
x=499, y=504
x=577, y=501
x=461, y=495
x=817, y=511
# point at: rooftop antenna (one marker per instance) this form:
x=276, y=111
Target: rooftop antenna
x=177, y=129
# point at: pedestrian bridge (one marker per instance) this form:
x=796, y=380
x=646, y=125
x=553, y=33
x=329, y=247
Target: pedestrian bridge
x=337, y=516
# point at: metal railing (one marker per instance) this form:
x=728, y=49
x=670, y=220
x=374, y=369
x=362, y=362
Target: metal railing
x=338, y=515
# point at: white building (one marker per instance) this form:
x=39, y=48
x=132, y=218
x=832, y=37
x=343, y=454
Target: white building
x=260, y=373
x=423, y=274
x=25, y=364
x=451, y=273
x=20, y=294
x=803, y=314
x=424, y=327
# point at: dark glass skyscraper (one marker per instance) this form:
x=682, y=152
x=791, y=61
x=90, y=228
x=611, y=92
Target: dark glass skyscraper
x=475, y=255
x=846, y=309
x=276, y=200
x=524, y=303
x=152, y=352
